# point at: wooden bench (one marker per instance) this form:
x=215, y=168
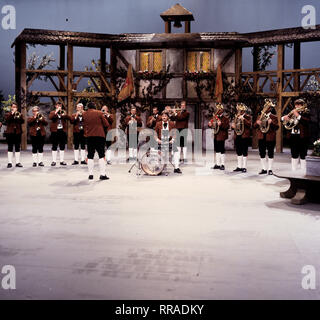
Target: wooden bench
x=302, y=188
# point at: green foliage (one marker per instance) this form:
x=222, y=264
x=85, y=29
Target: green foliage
x=5, y=105
x=316, y=148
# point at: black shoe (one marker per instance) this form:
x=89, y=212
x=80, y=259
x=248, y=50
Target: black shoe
x=90, y=177
x=34, y=164
x=108, y=162
x=53, y=164
x=270, y=173
x=244, y=170
x=19, y=165
x=222, y=167
x=83, y=162
x=263, y=171
x=40, y=164
x=9, y=165
x=62, y=163
x=75, y=162
x=237, y=169
x=177, y=170
x=216, y=167
x=104, y=178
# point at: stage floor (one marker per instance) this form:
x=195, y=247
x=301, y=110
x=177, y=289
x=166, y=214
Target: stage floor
x=201, y=235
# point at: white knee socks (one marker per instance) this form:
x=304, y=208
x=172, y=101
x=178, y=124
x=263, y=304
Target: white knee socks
x=76, y=155
x=10, y=155
x=239, y=161
x=184, y=151
x=17, y=155
x=35, y=157
x=108, y=155
x=218, y=159
x=176, y=159
x=270, y=163
x=83, y=154
x=61, y=155
x=90, y=166
x=294, y=164
x=223, y=157
x=54, y=156
x=102, y=167
x=244, y=162
x=40, y=157
x=263, y=163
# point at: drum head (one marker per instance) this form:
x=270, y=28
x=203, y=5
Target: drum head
x=151, y=163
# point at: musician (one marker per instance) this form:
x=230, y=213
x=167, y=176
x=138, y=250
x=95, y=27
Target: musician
x=79, y=140
x=267, y=140
x=151, y=123
x=299, y=134
x=109, y=118
x=58, y=128
x=242, y=136
x=165, y=137
x=37, y=132
x=95, y=125
x=133, y=123
x=181, y=119
x=14, y=120
x=220, y=137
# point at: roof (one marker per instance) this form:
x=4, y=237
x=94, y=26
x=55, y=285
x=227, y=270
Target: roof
x=134, y=40
x=177, y=12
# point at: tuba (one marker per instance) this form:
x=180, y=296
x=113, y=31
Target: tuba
x=238, y=121
x=214, y=121
x=293, y=121
x=264, y=117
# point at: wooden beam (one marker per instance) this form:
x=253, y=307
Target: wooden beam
x=255, y=58
x=91, y=94
x=227, y=57
x=69, y=92
x=103, y=68
x=121, y=57
x=280, y=65
x=49, y=93
x=113, y=68
x=187, y=26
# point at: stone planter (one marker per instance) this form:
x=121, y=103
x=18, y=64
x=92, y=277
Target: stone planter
x=313, y=166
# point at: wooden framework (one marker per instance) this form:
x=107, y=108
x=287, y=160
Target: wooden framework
x=283, y=85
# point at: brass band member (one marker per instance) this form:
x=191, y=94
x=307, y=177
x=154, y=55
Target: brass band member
x=14, y=120
x=297, y=122
x=58, y=128
x=220, y=125
x=242, y=124
x=109, y=117
x=182, y=118
x=151, y=123
x=164, y=135
x=37, y=132
x=95, y=125
x=133, y=122
x=267, y=126
x=79, y=140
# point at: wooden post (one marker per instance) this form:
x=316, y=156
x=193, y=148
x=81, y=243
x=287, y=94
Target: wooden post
x=167, y=27
x=21, y=87
x=255, y=59
x=69, y=92
x=103, y=68
x=296, y=64
x=280, y=64
x=62, y=66
x=187, y=26
x=238, y=66
x=113, y=69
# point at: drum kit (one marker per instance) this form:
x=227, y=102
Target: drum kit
x=153, y=162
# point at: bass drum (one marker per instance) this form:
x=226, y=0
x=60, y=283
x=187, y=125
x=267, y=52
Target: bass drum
x=152, y=163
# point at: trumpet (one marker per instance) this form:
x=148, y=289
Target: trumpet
x=17, y=115
x=293, y=121
x=61, y=112
x=39, y=116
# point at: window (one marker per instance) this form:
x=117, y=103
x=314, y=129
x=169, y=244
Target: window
x=151, y=61
x=198, y=61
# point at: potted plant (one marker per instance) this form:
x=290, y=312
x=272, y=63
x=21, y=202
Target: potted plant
x=313, y=161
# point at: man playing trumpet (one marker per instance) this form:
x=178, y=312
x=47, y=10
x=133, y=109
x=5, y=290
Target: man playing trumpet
x=266, y=125
x=79, y=140
x=14, y=120
x=58, y=128
x=109, y=118
x=242, y=124
x=133, y=122
x=37, y=132
x=297, y=122
x=220, y=125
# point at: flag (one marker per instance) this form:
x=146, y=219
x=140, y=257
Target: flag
x=128, y=87
x=219, y=85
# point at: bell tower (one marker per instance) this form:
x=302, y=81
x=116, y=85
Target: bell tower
x=177, y=14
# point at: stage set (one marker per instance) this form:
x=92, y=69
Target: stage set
x=236, y=216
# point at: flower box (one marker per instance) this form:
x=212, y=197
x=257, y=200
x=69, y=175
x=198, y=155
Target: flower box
x=313, y=166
